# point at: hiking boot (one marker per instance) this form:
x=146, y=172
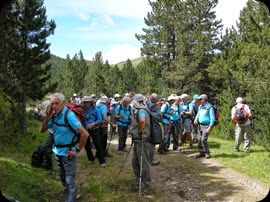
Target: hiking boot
x=102, y=165
x=200, y=155
x=207, y=156
x=155, y=163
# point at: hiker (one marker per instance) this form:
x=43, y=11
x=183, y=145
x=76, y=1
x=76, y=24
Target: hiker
x=175, y=123
x=140, y=132
x=64, y=147
x=205, y=119
x=166, y=121
x=114, y=103
x=92, y=118
x=123, y=115
x=186, y=113
x=194, y=109
x=241, y=116
x=153, y=107
x=103, y=127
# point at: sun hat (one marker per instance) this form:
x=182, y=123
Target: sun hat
x=117, y=95
x=239, y=100
x=203, y=97
x=88, y=99
x=183, y=96
x=139, y=101
x=172, y=97
x=103, y=99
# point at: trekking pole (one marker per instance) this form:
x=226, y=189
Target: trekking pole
x=125, y=159
x=109, y=142
x=140, y=183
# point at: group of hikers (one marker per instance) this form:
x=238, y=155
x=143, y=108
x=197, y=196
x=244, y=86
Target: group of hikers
x=181, y=119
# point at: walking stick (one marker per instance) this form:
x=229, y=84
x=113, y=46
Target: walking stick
x=109, y=142
x=125, y=160
x=140, y=184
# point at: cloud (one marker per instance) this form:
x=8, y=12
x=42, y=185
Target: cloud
x=229, y=11
x=119, y=52
x=82, y=8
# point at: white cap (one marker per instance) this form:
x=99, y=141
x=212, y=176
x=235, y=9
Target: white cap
x=117, y=95
x=172, y=97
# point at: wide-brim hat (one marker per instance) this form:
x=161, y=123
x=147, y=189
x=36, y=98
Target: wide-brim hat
x=117, y=95
x=87, y=99
x=103, y=99
x=139, y=101
x=183, y=96
x=172, y=97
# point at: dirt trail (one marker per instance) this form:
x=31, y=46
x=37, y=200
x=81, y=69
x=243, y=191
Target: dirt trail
x=181, y=177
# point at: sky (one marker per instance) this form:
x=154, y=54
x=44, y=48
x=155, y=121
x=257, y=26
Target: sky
x=109, y=26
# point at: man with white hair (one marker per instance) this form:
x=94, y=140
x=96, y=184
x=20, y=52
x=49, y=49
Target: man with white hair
x=140, y=132
x=241, y=116
x=65, y=144
x=123, y=115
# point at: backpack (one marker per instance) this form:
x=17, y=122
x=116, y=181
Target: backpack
x=240, y=115
x=157, y=132
x=41, y=158
x=216, y=111
x=78, y=111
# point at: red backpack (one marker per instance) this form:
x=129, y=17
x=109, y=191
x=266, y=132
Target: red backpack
x=240, y=115
x=77, y=109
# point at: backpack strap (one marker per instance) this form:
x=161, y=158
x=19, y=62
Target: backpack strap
x=67, y=124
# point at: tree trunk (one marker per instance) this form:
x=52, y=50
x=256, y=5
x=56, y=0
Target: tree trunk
x=24, y=119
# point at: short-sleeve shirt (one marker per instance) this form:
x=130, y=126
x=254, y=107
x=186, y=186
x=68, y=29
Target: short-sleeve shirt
x=91, y=115
x=175, y=116
x=62, y=134
x=121, y=109
x=103, y=110
x=165, y=109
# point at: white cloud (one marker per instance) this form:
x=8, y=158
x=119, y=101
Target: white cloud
x=229, y=11
x=121, y=8
x=119, y=52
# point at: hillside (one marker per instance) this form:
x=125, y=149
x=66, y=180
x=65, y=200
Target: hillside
x=135, y=62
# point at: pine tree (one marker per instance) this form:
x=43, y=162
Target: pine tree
x=130, y=77
x=27, y=75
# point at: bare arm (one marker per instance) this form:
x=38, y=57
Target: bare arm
x=107, y=120
x=141, y=125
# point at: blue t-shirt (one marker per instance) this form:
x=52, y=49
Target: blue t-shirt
x=91, y=115
x=166, y=109
x=62, y=134
x=186, y=107
x=103, y=110
x=175, y=116
x=206, y=115
x=121, y=109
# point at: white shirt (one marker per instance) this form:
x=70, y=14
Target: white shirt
x=247, y=110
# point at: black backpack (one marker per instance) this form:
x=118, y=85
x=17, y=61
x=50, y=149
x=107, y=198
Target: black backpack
x=41, y=158
x=157, y=132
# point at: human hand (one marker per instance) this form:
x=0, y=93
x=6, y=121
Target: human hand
x=195, y=122
x=114, y=125
x=130, y=117
x=90, y=125
x=208, y=130
x=71, y=154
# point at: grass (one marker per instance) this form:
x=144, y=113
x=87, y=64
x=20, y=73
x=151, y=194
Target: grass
x=24, y=183
x=255, y=164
